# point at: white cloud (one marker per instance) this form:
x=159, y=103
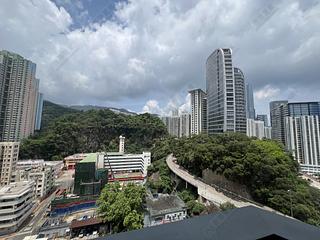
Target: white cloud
x=157, y=49
x=266, y=93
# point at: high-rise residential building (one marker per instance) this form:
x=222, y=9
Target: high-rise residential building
x=185, y=121
x=256, y=128
x=39, y=111
x=198, y=111
x=278, y=112
x=303, y=140
x=9, y=152
x=172, y=124
x=240, y=101
x=225, y=94
x=268, y=132
x=17, y=204
x=175, y=112
x=251, y=112
x=18, y=97
x=264, y=118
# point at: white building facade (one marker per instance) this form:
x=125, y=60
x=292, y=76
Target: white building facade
x=9, y=153
x=16, y=205
x=257, y=129
x=198, y=100
x=303, y=140
x=184, y=125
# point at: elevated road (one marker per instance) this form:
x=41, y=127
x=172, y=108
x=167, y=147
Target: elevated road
x=208, y=192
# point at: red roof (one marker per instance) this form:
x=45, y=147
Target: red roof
x=84, y=223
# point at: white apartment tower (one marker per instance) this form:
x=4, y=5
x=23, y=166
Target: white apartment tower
x=18, y=97
x=198, y=111
x=184, y=125
x=303, y=140
x=9, y=152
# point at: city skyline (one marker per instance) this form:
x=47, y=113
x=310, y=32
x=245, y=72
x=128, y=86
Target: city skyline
x=274, y=45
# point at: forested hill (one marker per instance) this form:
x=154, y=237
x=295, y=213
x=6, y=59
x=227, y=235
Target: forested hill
x=52, y=111
x=91, y=131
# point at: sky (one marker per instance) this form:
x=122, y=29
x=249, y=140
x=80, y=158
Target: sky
x=144, y=55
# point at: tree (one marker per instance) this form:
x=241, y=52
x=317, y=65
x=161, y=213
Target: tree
x=122, y=207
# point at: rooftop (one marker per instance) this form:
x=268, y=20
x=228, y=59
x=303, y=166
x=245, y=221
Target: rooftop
x=15, y=188
x=90, y=157
x=240, y=224
x=83, y=223
x=76, y=156
x=164, y=203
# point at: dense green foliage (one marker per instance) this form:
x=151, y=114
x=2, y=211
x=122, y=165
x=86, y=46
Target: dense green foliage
x=193, y=206
x=91, y=131
x=164, y=183
x=122, y=207
x=52, y=111
x=269, y=172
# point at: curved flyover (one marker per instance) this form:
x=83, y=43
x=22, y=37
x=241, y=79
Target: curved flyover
x=206, y=191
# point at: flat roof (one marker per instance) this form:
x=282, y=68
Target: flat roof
x=240, y=223
x=164, y=204
x=91, y=157
x=16, y=188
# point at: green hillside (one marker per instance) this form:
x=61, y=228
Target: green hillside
x=91, y=131
x=52, y=111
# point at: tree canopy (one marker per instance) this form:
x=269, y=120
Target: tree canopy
x=268, y=171
x=122, y=207
x=91, y=131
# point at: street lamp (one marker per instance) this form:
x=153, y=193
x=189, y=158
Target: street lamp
x=291, y=210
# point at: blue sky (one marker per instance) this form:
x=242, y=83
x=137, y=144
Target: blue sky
x=144, y=55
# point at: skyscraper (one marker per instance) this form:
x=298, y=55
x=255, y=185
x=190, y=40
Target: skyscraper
x=303, y=140
x=264, y=118
x=198, y=111
x=278, y=112
x=225, y=94
x=251, y=112
x=185, y=121
x=220, y=92
x=18, y=96
x=240, y=101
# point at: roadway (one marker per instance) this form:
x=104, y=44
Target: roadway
x=312, y=181
x=208, y=192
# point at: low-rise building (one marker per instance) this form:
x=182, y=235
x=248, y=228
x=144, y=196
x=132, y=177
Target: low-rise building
x=33, y=163
x=16, y=204
x=70, y=161
x=164, y=208
x=43, y=176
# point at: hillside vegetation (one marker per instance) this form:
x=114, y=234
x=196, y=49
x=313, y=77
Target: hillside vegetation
x=91, y=131
x=52, y=111
x=269, y=172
